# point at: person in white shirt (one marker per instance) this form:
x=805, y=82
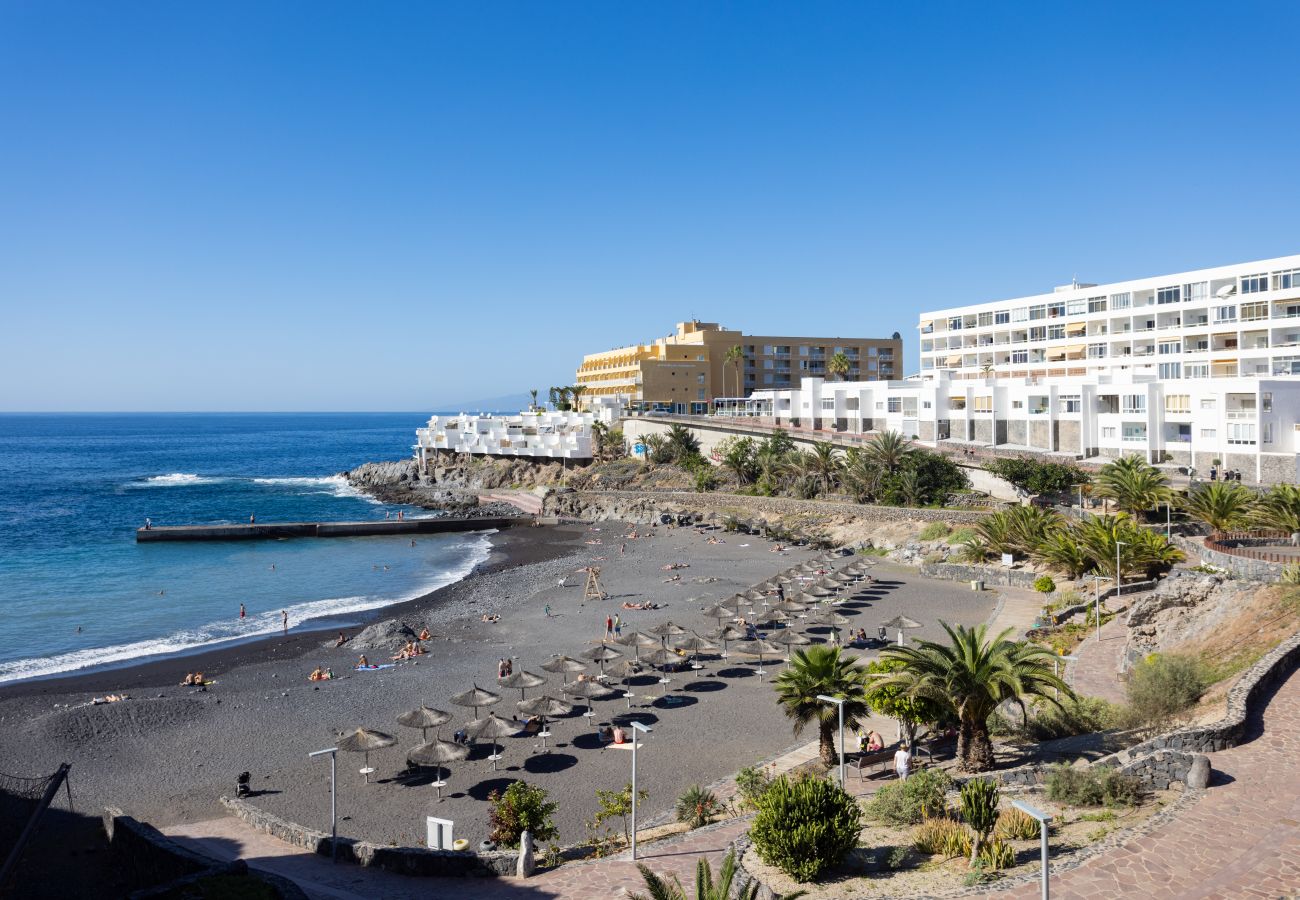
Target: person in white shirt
x=902, y=763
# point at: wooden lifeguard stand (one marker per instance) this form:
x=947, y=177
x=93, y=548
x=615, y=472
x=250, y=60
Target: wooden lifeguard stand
x=592, y=589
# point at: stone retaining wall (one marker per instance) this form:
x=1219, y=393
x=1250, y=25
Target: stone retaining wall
x=1237, y=566
x=987, y=574
x=402, y=860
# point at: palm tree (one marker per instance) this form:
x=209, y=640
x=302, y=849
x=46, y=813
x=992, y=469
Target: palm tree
x=838, y=365
x=820, y=669
x=681, y=442
x=1139, y=548
x=533, y=405
x=1223, y=505
x=1133, y=484
x=575, y=392
x=734, y=356
x=861, y=476
x=889, y=450
x=1278, y=510
x=560, y=398
x=1060, y=549
x=826, y=463
x=705, y=887
x=972, y=676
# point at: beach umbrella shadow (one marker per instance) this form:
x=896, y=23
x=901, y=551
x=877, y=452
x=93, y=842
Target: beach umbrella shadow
x=481, y=790
x=549, y=763
x=674, y=701
x=737, y=672
x=587, y=740
x=704, y=687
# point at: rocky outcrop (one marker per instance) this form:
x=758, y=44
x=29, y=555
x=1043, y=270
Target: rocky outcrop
x=1186, y=605
x=400, y=482
x=389, y=635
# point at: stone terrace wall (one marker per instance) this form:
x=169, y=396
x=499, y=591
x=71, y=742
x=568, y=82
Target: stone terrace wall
x=1238, y=566
x=641, y=506
x=402, y=860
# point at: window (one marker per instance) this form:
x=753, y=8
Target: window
x=1266, y=432
x=1020, y=315
x=1196, y=293
x=1076, y=307
x=1121, y=301
x=1256, y=310
x=699, y=395
x=1071, y=403
x=1168, y=295
x=1170, y=370
x=1017, y=404
x=828, y=404
x=1178, y=403
x=982, y=404
x=1019, y=356
x=1038, y=312
x=1241, y=432
x=1056, y=309
x=1055, y=332
x=1225, y=313
x=1266, y=401
x=1096, y=304
x=1196, y=370
x=1253, y=284
x=803, y=350
x=895, y=404
x=925, y=404
x=1164, y=348
x=1134, y=403
x=1096, y=351
x=1135, y=431
x=1001, y=317
x=957, y=403
x=954, y=323
x=1108, y=432
x=985, y=319
x=1209, y=432
x=1038, y=333
x=1284, y=281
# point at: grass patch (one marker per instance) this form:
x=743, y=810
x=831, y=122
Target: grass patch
x=961, y=535
x=934, y=531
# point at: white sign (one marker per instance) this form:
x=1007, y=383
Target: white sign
x=1008, y=560
x=439, y=833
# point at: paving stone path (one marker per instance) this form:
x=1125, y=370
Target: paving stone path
x=1096, y=673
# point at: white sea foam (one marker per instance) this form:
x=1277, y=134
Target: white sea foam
x=333, y=485
x=177, y=478
x=215, y=633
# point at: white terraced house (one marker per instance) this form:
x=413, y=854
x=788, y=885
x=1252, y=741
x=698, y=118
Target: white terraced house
x=1184, y=369
x=544, y=434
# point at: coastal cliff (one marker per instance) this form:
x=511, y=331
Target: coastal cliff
x=400, y=482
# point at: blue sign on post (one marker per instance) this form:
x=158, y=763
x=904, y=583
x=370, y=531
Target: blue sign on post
x=639, y=448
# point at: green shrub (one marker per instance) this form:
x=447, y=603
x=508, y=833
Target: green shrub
x=697, y=806
x=751, y=783
x=805, y=826
x=942, y=837
x=912, y=801
x=1013, y=825
x=961, y=535
x=997, y=854
x=521, y=808
x=1044, y=584
x=1118, y=789
x=979, y=808
x=934, y=531
x=1163, y=686
x=1092, y=786
x=1075, y=715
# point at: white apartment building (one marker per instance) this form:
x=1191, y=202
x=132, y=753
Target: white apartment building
x=538, y=434
x=1224, y=322
x=1186, y=369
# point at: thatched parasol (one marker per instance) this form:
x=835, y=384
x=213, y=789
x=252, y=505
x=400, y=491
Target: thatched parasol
x=476, y=697
x=493, y=727
x=829, y=617
x=760, y=649
x=665, y=630
x=437, y=753
x=791, y=606
x=726, y=633
x=638, y=641
x=424, y=717
x=561, y=665
x=694, y=645
x=587, y=690
x=790, y=639
x=719, y=612
x=773, y=617
x=601, y=654
x=364, y=740
x=544, y=707
x=522, y=680
x=899, y=623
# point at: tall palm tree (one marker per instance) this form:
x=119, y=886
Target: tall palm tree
x=889, y=450
x=1133, y=485
x=706, y=888
x=1223, y=505
x=973, y=675
x=575, y=392
x=1278, y=510
x=861, y=476
x=820, y=669
x=826, y=463
x=733, y=357
x=533, y=394
x=838, y=365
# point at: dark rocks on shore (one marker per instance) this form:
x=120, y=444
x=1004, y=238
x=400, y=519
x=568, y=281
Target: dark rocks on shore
x=400, y=482
x=390, y=635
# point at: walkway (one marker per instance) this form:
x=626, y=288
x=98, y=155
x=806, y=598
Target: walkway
x=1240, y=839
x=1096, y=673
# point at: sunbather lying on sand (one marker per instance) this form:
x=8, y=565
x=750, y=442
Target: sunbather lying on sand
x=111, y=698
x=671, y=566
x=493, y=617
x=646, y=605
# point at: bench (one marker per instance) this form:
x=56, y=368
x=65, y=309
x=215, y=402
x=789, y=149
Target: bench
x=883, y=759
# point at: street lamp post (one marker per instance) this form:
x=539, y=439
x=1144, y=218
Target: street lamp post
x=1096, y=594
x=1043, y=820
x=643, y=729
x=1118, y=580
x=839, y=703
x=1168, y=521
x=334, y=821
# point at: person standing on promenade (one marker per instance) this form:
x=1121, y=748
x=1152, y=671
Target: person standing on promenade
x=252, y=519
x=284, y=621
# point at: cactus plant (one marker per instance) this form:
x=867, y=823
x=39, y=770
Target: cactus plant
x=979, y=807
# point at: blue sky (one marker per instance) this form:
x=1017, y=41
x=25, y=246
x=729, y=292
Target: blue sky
x=307, y=206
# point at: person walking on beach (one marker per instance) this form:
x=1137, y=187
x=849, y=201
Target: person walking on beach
x=242, y=613
x=618, y=625
x=284, y=621
x=609, y=627
x=548, y=610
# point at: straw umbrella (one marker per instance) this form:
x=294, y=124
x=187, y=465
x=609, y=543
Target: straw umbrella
x=424, y=718
x=638, y=641
x=564, y=665
x=601, y=654
x=476, y=697
x=719, y=612
x=587, y=690
x=694, y=644
x=493, y=727
x=773, y=617
x=791, y=606
x=734, y=602
x=544, y=707
x=790, y=639
x=833, y=619
x=901, y=622
x=759, y=648
x=522, y=680
x=625, y=670
x=364, y=740
x=664, y=657
x=437, y=753
x=665, y=630
x=724, y=634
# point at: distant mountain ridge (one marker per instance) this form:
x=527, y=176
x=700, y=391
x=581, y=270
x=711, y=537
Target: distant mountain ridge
x=506, y=403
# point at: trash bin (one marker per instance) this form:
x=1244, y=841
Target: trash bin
x=977, y=585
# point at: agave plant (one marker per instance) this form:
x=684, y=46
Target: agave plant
x=706, y=887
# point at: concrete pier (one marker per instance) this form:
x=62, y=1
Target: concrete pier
x=277, y=530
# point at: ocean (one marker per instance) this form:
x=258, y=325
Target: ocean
x=76, y=591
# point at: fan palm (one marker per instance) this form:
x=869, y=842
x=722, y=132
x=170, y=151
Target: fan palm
x=1132, y=484
x=533, y=393
x=822, y=670
x=889, y=450
x=973, y=675
x=1223, y=505
x=680, y=442
x=838, y=365
x=706, y=888
x=1152, y=553
x=1279, y=509
x=826, y=463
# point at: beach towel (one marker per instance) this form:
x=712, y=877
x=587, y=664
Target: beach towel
x=372, y=668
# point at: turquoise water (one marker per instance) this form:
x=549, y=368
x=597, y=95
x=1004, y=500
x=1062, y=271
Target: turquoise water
x=73, y=489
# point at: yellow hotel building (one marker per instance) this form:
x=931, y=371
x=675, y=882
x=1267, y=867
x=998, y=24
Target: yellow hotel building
x=684, y=372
